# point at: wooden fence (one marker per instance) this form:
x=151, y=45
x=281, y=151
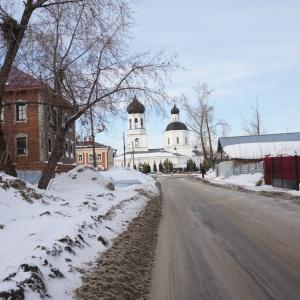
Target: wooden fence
x=282, y=171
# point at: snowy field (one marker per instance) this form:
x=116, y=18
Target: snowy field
x=49, y=237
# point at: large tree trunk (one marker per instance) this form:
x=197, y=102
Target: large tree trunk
x=56, y=154
x=13, y=39
x=5, y=159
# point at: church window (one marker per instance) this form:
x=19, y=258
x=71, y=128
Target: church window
x=142, y=123
x=185, y=140
x=136, y=123
x=137, y=142
x=130, y=124
x=168, y=141
x=177, y=139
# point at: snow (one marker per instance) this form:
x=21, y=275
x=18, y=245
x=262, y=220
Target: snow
x=253, y=182
x=259, y=150
x=62, y=228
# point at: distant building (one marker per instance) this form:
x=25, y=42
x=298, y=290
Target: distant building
x=177, y=146
x=28, y=108
x=104, y=155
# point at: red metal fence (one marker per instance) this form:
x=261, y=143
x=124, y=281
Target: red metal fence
x=282, y=171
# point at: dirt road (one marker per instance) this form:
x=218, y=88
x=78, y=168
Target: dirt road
x=217, y=243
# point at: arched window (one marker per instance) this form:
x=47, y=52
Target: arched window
x=137, y=142
x=177, y=139
x=142, y=123
x=136, y=123
x=130, y=124
x=185, y=140
x=168, y=141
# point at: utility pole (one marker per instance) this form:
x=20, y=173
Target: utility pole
x=93, y=138
x=132, y=155
x=124, y=149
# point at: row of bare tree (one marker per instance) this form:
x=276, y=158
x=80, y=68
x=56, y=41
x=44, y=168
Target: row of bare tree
x=81, y=51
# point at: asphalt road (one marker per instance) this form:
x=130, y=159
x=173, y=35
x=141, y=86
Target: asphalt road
x=217, y=243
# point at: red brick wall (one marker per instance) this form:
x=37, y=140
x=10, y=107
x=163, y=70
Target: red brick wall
x=37, y=133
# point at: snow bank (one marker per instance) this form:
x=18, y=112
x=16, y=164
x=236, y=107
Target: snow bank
x=49, y=237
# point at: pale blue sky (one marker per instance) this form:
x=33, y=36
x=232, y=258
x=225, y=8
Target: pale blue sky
x=241, y=49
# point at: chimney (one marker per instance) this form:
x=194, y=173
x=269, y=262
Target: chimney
x=84, y=139
x=90, y=139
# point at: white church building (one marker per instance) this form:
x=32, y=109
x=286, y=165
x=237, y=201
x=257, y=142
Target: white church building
x=177, y=145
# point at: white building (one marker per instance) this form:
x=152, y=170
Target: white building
x=177, y=146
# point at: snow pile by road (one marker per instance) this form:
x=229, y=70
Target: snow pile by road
x=253, y=182
x=48, y=238
x=243, y=179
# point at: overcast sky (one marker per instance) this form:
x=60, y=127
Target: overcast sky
x=243, y=50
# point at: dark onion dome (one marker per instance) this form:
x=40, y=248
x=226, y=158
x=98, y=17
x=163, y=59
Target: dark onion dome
x=176, y=126
x=174, y=110
x=135, y=107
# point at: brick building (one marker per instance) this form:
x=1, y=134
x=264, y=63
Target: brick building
x=104, y=155
x=26, y=115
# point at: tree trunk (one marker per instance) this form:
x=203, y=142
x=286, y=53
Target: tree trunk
x=5, y=159
x=202, y=138
x=211, y=153
x=13, y=44
x=56, y=154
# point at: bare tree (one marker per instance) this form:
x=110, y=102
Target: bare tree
x=201, y=119
x=82, y=52
x=12, y=35
x=253, y=125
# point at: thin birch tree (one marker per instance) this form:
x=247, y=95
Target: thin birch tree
x=201, y=119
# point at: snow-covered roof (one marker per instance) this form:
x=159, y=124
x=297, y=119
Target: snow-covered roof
x=259, y=146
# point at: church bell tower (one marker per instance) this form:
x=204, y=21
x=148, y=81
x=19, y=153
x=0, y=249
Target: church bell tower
x=137, y=136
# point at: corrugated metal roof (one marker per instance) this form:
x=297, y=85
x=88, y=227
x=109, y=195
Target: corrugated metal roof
x=265, y=138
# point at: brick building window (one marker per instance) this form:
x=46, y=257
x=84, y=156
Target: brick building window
x=21, y=144
x=80, y=158
x=91, y=158
x=21, y=111
x=99, y=157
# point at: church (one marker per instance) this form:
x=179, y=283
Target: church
x=177, y=145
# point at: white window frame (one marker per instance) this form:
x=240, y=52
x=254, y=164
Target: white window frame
x=23, y=112
x=91, y=158
x=80, y=158
x=21, y=136
x=99, y=155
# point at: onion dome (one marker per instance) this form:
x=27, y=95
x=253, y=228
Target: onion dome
x=176, y=126
x=174, y=110
x=135, y=107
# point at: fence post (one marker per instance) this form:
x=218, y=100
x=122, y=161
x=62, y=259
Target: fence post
x=272, y=171
x=281, y=165
x=296, y=173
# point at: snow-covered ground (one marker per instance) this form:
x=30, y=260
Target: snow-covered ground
x=49, y=237
x=254, y=182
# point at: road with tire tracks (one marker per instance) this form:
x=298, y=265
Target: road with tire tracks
x=220, y=243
